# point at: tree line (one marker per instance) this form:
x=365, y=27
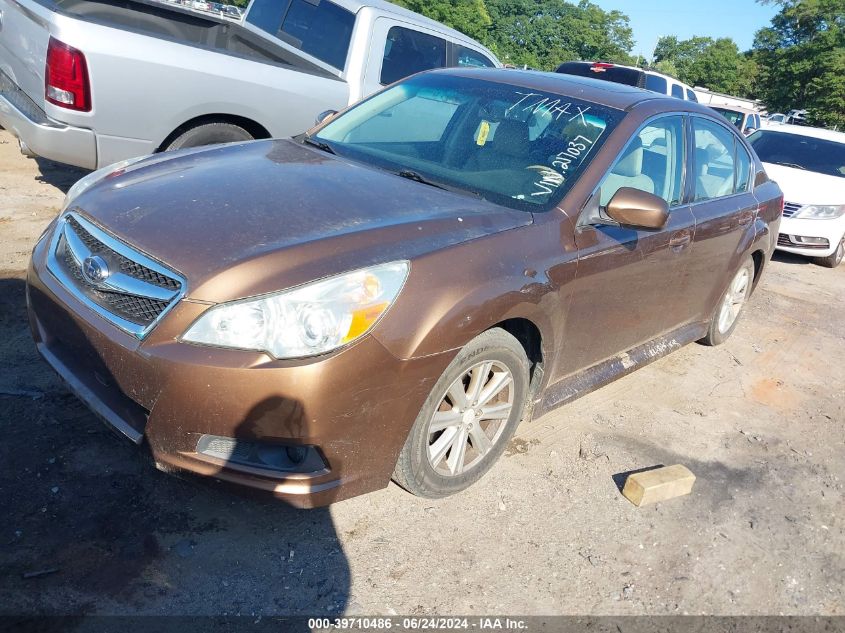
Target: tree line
x=798, y=61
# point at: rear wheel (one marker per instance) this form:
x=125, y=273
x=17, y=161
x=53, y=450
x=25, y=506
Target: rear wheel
x=833, y=260
x=209, y=134
x=468, y=418
x=726, y=315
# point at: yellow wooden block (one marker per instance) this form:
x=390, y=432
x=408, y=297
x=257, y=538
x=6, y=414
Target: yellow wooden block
x=659, y=484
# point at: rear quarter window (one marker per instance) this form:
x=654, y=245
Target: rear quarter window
x=321, y=29
x=656, y=84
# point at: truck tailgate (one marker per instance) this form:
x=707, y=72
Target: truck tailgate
x=24, y=36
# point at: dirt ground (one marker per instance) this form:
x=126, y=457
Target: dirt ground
x=89, y=526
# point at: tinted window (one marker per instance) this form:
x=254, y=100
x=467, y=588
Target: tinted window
x=407, y=52
x=468, y=58
x=677, y=91
x=804, y=152
x=431, y=117
x=714, y=163
x=743, y=168
x=321, y=29
x=656, y=83
x=652, y=162
x=514, y=146
x=731, y=115
x=607, y=72
x=691, y=96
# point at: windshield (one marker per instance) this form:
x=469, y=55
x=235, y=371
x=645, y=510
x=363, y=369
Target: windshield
x=802, y=152
x=508, y=144
x=731, y=115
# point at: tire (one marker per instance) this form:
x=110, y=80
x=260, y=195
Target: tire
x=834, y=259
x=209, y=134
x=464, y=456
x=733, y=299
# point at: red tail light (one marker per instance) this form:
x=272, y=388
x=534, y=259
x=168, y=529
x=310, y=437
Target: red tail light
x=66, y=77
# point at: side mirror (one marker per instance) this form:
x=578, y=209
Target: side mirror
x=324, y=116
x=638, y=209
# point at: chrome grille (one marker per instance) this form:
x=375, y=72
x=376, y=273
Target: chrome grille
x=790, y=209
x=121, y=284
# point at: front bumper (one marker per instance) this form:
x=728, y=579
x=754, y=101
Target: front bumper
x=42, y=135
x=356, y=406
x=830, y=230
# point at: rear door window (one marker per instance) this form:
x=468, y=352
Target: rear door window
x=677, y=91
x=408, y=52
x=468, y=58
x=714, y=160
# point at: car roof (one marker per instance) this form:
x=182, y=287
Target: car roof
x=607, y=93
x=804, y=130
x=733, y=108
x=388, y=7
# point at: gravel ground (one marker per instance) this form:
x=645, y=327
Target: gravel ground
x=89, y=526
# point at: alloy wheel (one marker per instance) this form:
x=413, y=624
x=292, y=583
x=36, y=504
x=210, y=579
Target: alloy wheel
x=471, y=418
x=734, y=300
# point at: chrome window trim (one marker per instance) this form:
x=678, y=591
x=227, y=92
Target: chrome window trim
x=123, y=284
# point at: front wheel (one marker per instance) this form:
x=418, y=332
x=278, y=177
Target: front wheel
x=726, y=315
x=468, y=418
x=833, y=260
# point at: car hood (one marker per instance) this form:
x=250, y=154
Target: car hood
x=807, y=187
x=244, y=219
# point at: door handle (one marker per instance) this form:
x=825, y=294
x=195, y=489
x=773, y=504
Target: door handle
x=680, y=240
x=745, y=218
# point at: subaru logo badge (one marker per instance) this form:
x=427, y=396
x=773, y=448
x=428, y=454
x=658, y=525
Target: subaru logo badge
x=95, y=269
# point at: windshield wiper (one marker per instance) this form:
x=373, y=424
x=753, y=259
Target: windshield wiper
x=319, y=144
x=416, y=177
x=412, y=175
x=801, y=167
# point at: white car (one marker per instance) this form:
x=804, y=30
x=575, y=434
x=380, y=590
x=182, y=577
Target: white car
x=809, y=165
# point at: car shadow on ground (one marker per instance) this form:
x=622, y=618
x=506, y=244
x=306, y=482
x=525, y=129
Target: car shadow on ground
x=791, y=258
x=63, y=177
x=92, y=527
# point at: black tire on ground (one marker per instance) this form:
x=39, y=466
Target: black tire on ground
x=414, y=471
x=833, y=260
x=715, y=336
x=209, y=134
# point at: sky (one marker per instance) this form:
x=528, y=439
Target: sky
x=651, y=19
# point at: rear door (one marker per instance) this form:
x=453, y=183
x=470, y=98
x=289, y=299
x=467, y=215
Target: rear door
x=724, y=208
x=24, y=35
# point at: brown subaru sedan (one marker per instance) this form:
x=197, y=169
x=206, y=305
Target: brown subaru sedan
x=389, y=295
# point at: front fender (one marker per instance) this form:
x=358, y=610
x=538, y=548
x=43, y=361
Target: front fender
x=454, y=295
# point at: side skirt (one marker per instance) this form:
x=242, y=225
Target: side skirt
x=583, y=382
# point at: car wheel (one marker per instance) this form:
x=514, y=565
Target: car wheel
x=727, y=312
x=468, y=419
x=209, y=134
x=833, y=260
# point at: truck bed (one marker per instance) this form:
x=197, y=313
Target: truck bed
x=178, y=24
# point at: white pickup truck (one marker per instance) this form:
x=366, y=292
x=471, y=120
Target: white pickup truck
x=92, y=82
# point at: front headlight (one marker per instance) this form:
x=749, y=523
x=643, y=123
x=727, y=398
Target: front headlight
x=312, y=319
x=821, y=212
x=84, y=184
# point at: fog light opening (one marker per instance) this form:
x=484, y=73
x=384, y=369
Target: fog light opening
x=283, y=458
